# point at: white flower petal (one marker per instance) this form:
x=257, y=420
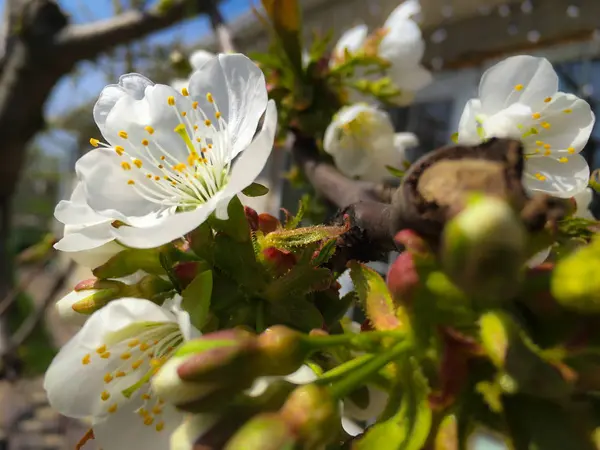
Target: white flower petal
x=77, y=238
x=406, y=10
x=351, y=427
x=239, y=90
x=519, y=79
x=73, y=387
x=560, y=179
x=200, y=57
x=467, y=127
x=126, y=430
x=90, y=254
x=405, y=140
x=538, y=258
x=192, y=429
x=403, y=45
x=351, y=40
x=377, y=403
x=65, y=310
x=410, y=78
x=583, y=201
x=76, y=211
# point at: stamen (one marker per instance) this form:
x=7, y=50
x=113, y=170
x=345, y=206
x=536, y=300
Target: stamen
x=563, y=159
x=545, y=125
x=120, y=150
x=160, y=426
x=540, y=177
x=547, y=146
x=125, y=165
x=105, y=395
x=148, y=420
x=571, y=150
x=120, y=374
x=171, y=100
x=207, y=123
x=137, y=364
x=130, y=182
x=145, y=142
x=86, y=359
x=547, y=99
x=101, y=349
x=185, y=92
x=568, y=111
x=133, y=343
x=218, y=114
x=149, y=129
x=108, y=378
x=94, y=142
x=123, y=134
x=210, y=98
x=195, y=105
x=138, y=163
x=519, y=87
x=539, y=143
x=106, y=355
x=112, y=408
x=536, y=115
x=125, y=356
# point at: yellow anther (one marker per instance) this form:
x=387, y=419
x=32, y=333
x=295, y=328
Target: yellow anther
x=112, y=408
x=94, y=142
x=198, y=140
x=156, y=410
x=156, y=178
x=204, y=160
x=571, y=150
x=137, y=364
x=539, y=143
x=547, y=146
x=195, y=127
x=536, y=115
x=105, y=395
x=568, y=111
x=210, y=98
x=218, y=114
x=120, y=374
x=195, y=105
x=547, y=99
x=545, y=125
x=149, y=129
x=160, y=426
x=171, y=100
x=210, y=145
x=106, y=355
x=163, y=157
x=563, y=159
x=547, y=152
x=120, y=150
x=149, y=176
x=519, y=87
x=125, y=165
x=133, y=343
x=183, y=114
x=86, y=359
x=123, y=134
x=179, y=167
x=130, y=182
x=145, y=142
x=138, y=163
x=155, y=362
x=146, y=397
x=125, y=356
x=540, y=177
x=185, y=92
x=108, y=378
x=148, y=420
x=101, y=349
x=142, y=412
x=192, y=159
x=207, y=123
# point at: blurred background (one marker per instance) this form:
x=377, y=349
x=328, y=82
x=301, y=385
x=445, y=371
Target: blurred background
x=47, y=95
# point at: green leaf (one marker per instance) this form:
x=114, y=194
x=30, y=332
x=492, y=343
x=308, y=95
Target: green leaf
x=167, y=264
x=395, y=172
x=326, y=251
x=295, y=312
x=447, y=434
x=236, y=226
x=333, y=307
x=196, y=298
x=300, y=237
x=255, y=190
x=409, y=428
x=375, y=298
x=202, y=242
x=130, y=261
x=293, y=221
x=287, y=22
x=454, y=138
x=298, y=281
x=238, y=262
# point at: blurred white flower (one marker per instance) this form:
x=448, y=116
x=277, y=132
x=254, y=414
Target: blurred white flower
x=197, y=60
x=168, y=162
x=519, y=98
x=350, y=42
x=402, y=45
x=192, y=428
x=87, y=235
x=362, y=142
x=583, y=201
x=104, y=372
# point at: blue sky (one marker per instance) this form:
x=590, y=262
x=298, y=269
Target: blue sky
x=88, y=81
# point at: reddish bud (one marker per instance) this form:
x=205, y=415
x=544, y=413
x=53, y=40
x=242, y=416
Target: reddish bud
x=252, y=217
x=403, y=278
x=280, y=260
x=268, y=223
x=411, y=241
x=283, y=349
x=366, y=326
x=85, y=284
x=185, y=272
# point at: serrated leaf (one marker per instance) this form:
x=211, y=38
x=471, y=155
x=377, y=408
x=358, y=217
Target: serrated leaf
x=395, y=172
x=196, y=298
x=167, y=264
x=375, y=298
x=409, y=428
x=326, y=252
x=255, y=190
x=293, y=221
x=300, y=280
x=238, y=261
x=300, y=237
x=447, y=434
x=296, y=312
x=332, y=307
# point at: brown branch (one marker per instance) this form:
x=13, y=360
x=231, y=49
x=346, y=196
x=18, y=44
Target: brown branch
x=10, y=298
x=87, y=41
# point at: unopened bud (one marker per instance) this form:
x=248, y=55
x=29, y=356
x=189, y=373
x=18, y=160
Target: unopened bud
x=483, y=250
x=88, y=297
x=252, y=217
x=403, y=278
x=281, y=261
x=411, y=241
x=186, y=271
x=150, y=286
x=313, y=414
x=283, y=349
x=266, y=431
x=268, y=223
x=130, y=261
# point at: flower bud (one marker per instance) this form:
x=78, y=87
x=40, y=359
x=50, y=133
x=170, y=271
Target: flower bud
x=266, y=431
x=252, y=217
x=411, y=241
x=130, y=261
x=149, y=287
x=281, y=261
x=282, y=349
x=403, y=278
x=87, y=297
x=483, y=250
x=186, y=271
x=313, y=414
x=268, y=223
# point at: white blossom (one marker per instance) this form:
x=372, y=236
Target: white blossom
x=519, y=98
x=197, y=60
x=168, y=164
x=104, y=372
x=350, y=42
x=362, y=142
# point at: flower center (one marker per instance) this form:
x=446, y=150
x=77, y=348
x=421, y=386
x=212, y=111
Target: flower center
x=160, y=177
x=132, y=363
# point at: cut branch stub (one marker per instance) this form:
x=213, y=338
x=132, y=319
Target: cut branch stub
x=438, y=185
